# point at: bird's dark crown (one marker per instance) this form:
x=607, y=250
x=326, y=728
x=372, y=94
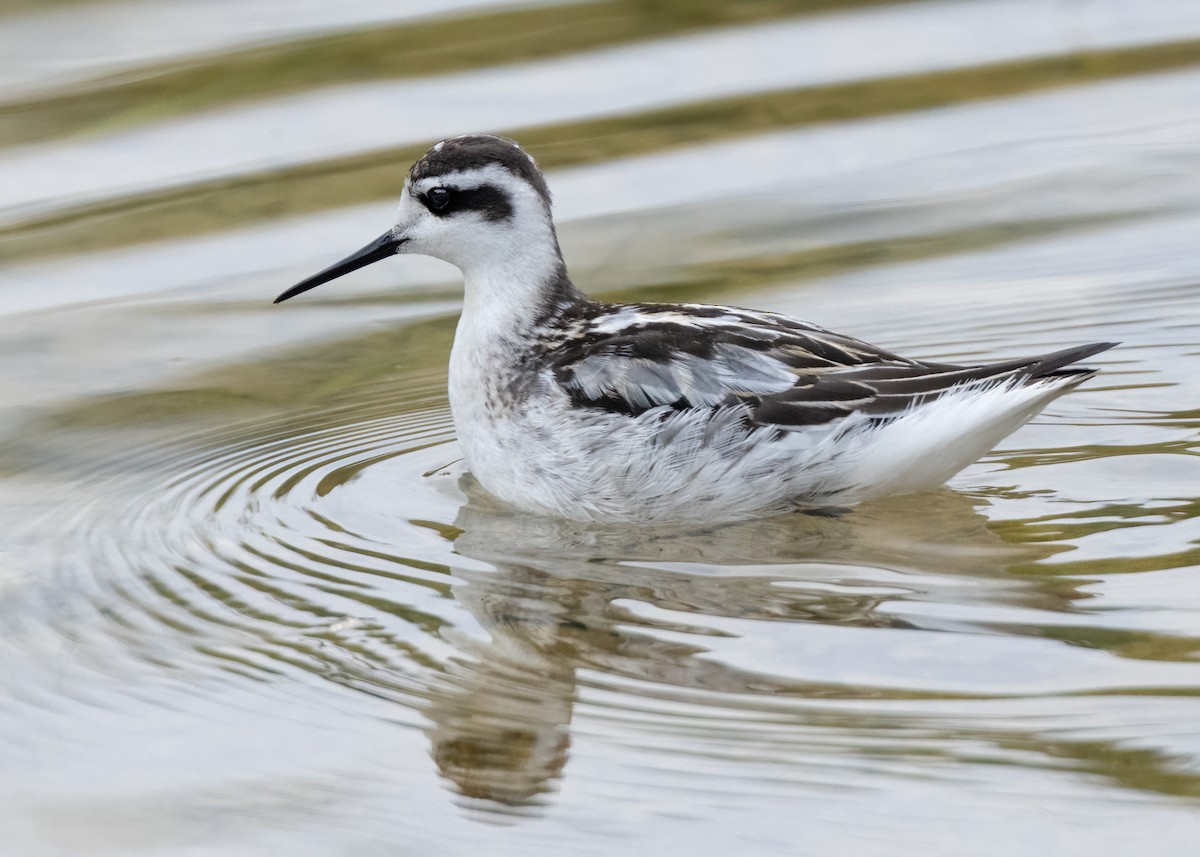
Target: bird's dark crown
x=475, y=151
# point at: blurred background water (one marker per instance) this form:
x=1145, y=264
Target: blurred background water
x=250, y=603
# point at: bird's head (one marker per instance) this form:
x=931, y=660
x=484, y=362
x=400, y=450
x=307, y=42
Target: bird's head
x=477, y=201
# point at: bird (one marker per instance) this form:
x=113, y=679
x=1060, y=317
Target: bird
x=650, y=413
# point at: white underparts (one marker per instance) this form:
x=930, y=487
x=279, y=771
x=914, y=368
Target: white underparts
x=705, y=465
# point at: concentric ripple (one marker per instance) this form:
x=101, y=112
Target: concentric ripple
x=243, y=546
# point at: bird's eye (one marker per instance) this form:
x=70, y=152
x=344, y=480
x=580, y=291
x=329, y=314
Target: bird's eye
x=438, y=198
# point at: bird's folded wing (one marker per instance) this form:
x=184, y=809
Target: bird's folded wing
x=784, y=372
x=788, y=373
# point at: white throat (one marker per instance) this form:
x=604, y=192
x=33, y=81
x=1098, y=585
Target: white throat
x=507, y=289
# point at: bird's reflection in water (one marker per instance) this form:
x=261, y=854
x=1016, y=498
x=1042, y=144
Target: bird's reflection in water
x=501, y=711
x=555, y=603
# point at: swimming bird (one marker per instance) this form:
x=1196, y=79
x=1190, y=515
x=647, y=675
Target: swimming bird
x=575, y=408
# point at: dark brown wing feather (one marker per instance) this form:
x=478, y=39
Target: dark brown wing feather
x=788, y=373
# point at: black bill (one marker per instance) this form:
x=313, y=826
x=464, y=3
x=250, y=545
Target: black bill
x=382, y=247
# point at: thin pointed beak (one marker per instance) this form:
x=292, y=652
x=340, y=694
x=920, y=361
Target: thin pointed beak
x=381, y=248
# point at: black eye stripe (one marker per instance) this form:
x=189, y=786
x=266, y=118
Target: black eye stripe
x=490, y=201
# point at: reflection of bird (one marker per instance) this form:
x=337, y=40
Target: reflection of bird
x=579, y=409
x=568, y=602
x=500, y=713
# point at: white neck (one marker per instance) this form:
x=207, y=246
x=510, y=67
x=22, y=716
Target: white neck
x=511, y=281
x=506, y=295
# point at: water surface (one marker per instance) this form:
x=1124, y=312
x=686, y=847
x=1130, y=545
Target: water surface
x=250, y=600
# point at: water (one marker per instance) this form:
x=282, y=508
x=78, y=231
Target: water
x=250, y=601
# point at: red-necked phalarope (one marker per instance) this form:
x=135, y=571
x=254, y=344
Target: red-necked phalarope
x=653, y=412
